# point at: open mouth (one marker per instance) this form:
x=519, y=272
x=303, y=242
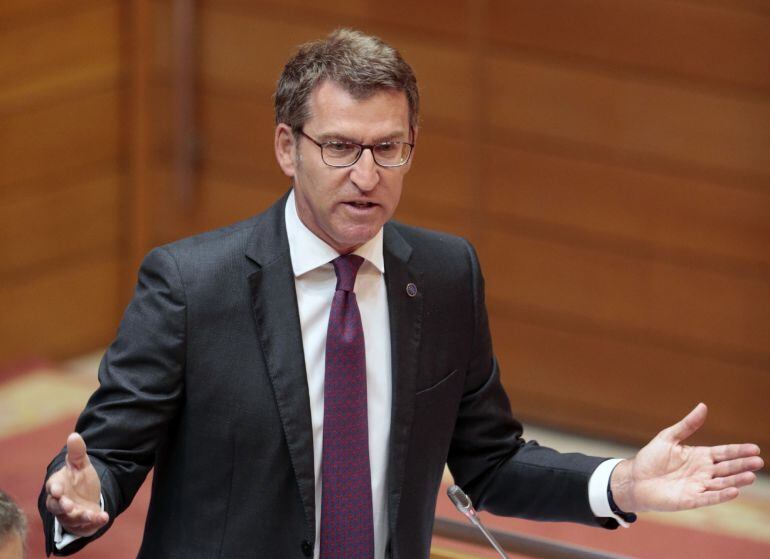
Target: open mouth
x=361, y=205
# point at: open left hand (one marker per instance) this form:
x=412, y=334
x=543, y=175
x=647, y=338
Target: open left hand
x=73, y=492
x=666, y=475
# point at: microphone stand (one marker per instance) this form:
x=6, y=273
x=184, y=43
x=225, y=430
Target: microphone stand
x=463, y=504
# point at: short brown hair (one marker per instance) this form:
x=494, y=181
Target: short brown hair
x=360, y=63
x=12, y=519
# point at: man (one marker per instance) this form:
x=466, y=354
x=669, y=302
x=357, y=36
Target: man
x=299, y=380
x=13, y=529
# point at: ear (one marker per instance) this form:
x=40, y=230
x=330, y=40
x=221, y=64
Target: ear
x=285, y=149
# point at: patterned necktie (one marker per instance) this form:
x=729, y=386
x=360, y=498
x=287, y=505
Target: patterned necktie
x=347, y=530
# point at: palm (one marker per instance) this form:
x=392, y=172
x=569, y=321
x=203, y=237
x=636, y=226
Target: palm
x=80, y=484
x=672, y=475
x=74, y=492
x=668, y=476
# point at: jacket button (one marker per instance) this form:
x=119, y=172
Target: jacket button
x=307, y=548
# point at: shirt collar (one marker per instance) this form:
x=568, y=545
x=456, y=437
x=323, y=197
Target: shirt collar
x=308, y=252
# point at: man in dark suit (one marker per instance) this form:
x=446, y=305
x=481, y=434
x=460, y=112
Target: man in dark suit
x=266, y=368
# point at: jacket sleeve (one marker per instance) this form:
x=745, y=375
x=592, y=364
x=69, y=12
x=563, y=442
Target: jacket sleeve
x=141, y=387
x=488, y=457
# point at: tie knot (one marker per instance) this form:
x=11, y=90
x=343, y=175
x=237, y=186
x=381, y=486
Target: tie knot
x=346, y=267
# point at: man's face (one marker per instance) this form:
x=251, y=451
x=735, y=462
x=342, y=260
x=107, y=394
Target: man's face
x=11, y=546
x=346, y=206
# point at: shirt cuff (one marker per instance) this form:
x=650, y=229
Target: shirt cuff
x=62, y=539
x=597, y=491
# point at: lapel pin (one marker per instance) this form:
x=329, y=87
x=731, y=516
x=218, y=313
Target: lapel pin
x=411, y=289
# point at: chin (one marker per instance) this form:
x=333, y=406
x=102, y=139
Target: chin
x=357, y=240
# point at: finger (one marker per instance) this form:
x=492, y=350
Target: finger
x=716, y=497
x=80, y=518
x=78, y=513
x=77, y=457
x=84, y=526
x=53, y=506
x=738, y=480
x=737, y=466
x=732, y=451
x=687, y=426
x=55, y=484
x=67, y=505
x=81, y=530
x=54, y=488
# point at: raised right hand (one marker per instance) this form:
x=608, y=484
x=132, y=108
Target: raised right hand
x=74, y=492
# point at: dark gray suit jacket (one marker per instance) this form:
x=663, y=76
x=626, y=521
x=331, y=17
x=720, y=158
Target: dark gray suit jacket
x=206, y=383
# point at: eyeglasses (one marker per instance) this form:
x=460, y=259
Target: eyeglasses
x=336, y=153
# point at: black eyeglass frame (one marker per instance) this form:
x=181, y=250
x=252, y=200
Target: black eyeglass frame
x=363, y=147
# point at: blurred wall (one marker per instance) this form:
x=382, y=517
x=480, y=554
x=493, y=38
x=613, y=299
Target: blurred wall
x=608, y=158
x=62, y=176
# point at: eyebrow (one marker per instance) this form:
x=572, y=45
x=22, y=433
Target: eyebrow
x=393, y=136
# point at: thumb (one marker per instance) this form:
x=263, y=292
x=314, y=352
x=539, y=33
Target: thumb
x=688, y=425
x=77, y=457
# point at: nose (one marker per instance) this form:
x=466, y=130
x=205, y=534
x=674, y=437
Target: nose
x=365, y=174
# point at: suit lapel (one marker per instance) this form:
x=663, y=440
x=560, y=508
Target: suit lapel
x=405, y=329
x=274, y=302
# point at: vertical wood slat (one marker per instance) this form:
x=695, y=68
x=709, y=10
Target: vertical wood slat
x=184, y=87
x=139, y=130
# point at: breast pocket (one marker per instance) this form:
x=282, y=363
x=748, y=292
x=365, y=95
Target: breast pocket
x=439, y=385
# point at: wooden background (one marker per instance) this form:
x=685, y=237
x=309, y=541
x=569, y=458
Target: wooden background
x=610, y=159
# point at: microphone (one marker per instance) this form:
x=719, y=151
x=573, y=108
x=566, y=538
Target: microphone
x=463, y=504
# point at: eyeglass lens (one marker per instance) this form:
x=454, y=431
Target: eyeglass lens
x=387, y=154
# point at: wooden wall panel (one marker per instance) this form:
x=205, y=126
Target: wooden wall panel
x=59, y=138
x=442, y=171
x=643, y=212
x=658, y=37
x=644, y=296
x=93, y=75
x=61, y=176
x=267, y=44
x=12, y=11
x=576, y=377
x=225, y=199
x=91, y=35
x=750, y=6
x=446, y=76
x=450, y=21
x=440, y=67
x=226, y=141
x=62, y=224
x=661, y=124
x=68, y=309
